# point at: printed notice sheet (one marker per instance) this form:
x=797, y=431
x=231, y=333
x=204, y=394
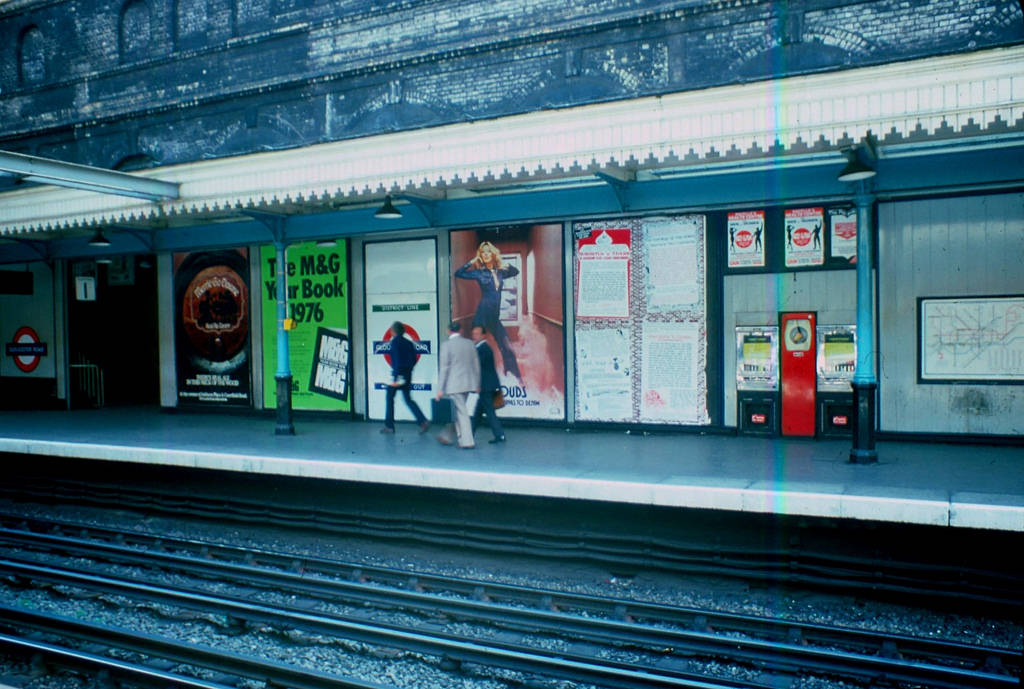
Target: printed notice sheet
x=803, y=237
x=844, y=234
x=603, y=275
x=672, y=383
x=673, y=279
x=603, y=376
x=746, y=233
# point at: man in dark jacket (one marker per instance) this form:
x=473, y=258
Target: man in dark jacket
x=488, y=385
x=403, y=359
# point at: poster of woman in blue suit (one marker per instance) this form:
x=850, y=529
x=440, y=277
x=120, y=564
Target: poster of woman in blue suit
x=509, y=280
x=490, y=272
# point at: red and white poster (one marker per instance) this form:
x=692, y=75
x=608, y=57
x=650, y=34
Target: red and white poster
x=844, y=234
x=803, y=237
x=746, y=239
x=602, y=273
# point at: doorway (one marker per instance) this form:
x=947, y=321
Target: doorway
x=113, y=333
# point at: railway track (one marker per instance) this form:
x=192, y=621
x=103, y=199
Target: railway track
x=594, y=627
x=931, y=584
x=58, y=643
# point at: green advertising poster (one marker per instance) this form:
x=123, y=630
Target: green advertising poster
x=319, y=345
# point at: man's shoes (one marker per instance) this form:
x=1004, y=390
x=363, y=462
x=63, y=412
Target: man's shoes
x=443, y=440
x=424, y=427
x=467, y=447
x=387, y=431
x=499, y=439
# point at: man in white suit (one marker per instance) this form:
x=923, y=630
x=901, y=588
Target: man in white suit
x=459, y=376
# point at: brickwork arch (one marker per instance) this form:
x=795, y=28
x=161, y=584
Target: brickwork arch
x=32, y=54
x=134, y=30
x=191, y=22
x=135, y=161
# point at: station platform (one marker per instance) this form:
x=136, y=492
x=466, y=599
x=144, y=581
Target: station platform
x=953, y=485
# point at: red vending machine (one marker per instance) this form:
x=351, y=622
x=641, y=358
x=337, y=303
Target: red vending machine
x=798, y=373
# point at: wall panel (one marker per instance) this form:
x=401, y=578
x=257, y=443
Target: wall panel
x=967, y=246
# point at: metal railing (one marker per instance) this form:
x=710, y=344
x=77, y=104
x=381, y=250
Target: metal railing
x=87, y=380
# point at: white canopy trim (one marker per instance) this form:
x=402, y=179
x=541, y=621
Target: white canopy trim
x=967, y=95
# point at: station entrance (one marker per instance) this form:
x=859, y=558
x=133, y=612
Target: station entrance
x=113, y=333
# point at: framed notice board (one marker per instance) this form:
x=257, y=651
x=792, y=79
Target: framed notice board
x=971, y=339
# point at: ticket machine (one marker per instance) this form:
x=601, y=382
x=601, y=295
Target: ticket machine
x=798, y=373
x=837, y=362
x=757, y=379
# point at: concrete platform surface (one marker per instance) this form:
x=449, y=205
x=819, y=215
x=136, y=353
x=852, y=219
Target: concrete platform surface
x=970, y=486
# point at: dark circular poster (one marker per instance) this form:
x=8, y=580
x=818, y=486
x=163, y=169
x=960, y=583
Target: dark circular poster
x=213, y=311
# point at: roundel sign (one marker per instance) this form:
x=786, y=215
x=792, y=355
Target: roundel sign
x=26, y=349
x=389, y=333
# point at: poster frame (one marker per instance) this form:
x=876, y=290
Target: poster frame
x=181, y=267
x=799, y=258
x=754, y=258
x=703, y=314
x=368, y=386
x=301, y=376
x=923, y=334
x=516, y=395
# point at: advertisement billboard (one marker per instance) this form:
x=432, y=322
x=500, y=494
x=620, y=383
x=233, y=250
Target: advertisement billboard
x=318, y=346
x=212, y=322
x=401, y=285
x=509, y=280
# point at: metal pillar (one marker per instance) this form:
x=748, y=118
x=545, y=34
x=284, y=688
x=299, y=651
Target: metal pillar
x=278, y=224
x=283, y=374
x=864, y=383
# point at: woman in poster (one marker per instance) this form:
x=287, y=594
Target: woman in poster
x=490, y=272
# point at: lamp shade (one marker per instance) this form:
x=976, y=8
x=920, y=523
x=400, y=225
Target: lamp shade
x=855, y=171
x=99, y=240
x=387, y=211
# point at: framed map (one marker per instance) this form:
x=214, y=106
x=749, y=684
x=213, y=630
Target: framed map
x=971, y=339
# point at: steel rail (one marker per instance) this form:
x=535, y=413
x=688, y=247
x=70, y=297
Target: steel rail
x=790, y=657
x=561, y=665
x=906, y=579
x=902, y=649
x=137, y=673
x=208, y=658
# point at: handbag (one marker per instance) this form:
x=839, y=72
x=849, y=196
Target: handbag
x=441, y=410
x=499, y=399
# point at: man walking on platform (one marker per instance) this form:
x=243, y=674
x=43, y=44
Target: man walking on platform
x=489, y=384
x=403, y=359
x=459, y=375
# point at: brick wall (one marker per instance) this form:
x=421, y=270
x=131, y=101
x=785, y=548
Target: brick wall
x=169, y=81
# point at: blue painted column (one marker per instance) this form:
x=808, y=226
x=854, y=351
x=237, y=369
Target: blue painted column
x=864, y=382
x=283, y=374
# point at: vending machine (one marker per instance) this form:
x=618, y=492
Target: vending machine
x=798, y=373
x=757, y=380
x=837, y=362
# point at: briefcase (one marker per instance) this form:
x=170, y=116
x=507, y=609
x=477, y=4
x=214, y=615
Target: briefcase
x=441, y=410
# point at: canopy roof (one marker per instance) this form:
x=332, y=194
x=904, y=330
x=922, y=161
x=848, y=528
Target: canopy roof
x=945, y=124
